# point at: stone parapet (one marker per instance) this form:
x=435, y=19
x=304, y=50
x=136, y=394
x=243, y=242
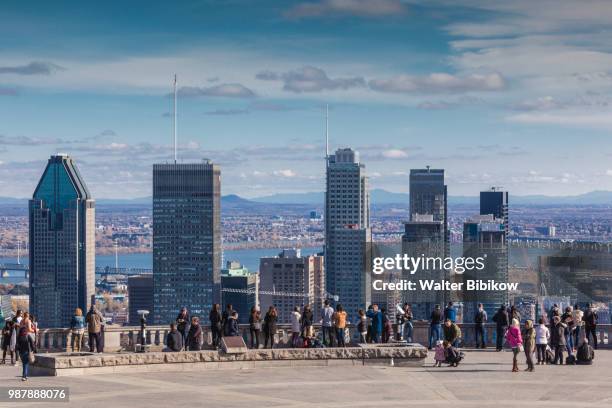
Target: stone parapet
x=61, y=364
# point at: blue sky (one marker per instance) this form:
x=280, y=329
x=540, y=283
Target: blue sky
x=514, y=95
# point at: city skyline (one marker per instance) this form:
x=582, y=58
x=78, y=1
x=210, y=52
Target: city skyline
x=457, y=86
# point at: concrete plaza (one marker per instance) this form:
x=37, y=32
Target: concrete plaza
x=483, y=379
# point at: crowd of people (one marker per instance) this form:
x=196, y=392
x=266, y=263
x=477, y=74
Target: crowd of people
x=572, y=331
x=562, y=336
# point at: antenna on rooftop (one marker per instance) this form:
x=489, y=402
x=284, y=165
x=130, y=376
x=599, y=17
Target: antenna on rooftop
x=326, y=132
x=174, y=120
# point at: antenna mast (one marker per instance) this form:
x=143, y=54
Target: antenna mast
x=326, y=132
x=174, y=120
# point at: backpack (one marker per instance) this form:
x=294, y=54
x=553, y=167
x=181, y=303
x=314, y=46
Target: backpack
x=585, y=354
x=479, y=317
x=550, y=356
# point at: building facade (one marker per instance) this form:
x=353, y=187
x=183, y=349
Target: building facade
x=240, y=288
x=485, y=236
x=424, y=237
x=289, y=280
x=140, y=296
x=348, y=236
x=61, y=244
x=495, y=202
x=186, y=238
x=429, y=196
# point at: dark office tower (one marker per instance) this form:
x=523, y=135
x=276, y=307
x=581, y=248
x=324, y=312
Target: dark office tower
x=424, y=237
x=495, y=202
x=140, y=296
x=428, y=195
x=484, y=236
x=186, y=238
x=347, y=230
x=62, y=244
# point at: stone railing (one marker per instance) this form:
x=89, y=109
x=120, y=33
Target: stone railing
x=117, y=338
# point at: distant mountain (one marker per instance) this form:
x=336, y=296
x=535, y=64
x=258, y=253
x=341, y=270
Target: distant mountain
x=382, y=197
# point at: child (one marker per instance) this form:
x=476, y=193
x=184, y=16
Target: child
x=362, y=326
x=440, y=355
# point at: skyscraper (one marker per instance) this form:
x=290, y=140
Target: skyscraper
x=62, y=244
x=347, y=230
x=292, y=273
x=485, y=236
x=140, y=296
x=424, y=237
x=495, y=202
x=186, y=238
x=428, y=195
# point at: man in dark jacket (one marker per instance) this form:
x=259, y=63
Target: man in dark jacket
x=502, y=323
x=174, y=341
x=182, y=324
x=557, y=339
x=377, y=323
x=590, y=324
x=231, y=325
x=480, y=319
x=435, y=326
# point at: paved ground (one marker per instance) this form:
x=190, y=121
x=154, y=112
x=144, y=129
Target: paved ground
x=483, y=380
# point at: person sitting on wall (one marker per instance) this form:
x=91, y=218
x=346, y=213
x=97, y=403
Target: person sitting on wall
x=174, y=340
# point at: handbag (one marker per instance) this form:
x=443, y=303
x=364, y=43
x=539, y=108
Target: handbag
x=31, y=358
x=521, y=348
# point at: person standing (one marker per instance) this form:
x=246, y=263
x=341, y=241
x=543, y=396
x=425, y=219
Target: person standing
x=557, y=339
x=77, y=329
x=25, y=347
x=529, y=344
x=232, y=329
x=270, y=321
x=480, y=320
x=578, y=325
x=295, y=327
x=94, y=326
x=590, y=324
x=326, y=324
x=515, y=340
x=194, y=336
x=501, y=324
x=182, y=324
x=542, y=338
x=376, y=323
x=255, y=327
x=215, y=319
x=435, y=326
x=568, y=319
x=408, y=325
x=362, y=326
x=306, y=322
x=7, y=332
x=450, y=312
x=340, y=324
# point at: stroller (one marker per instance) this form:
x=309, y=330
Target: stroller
x=454, y=356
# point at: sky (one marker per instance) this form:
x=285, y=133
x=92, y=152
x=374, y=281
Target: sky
x=512, y=94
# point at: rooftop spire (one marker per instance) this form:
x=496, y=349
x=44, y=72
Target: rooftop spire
x=174, y=120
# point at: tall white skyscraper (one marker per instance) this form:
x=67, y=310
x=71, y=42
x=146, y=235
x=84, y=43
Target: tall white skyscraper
x=347, y=230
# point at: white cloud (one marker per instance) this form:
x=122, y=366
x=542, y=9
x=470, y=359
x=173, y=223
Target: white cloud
x=361, y=8
x=310, y=79
x=285, y=173
x=565, y=118
x=609, y=172
x=394, y=154
x=439, y=82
